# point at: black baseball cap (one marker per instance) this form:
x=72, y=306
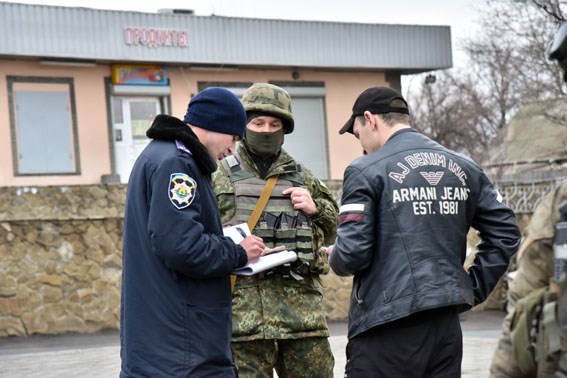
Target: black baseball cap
x=377, y=101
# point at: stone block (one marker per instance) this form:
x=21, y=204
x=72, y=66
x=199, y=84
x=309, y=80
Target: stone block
x=11, y=326
x=50, y=279
x=8, y=287
x=51, y=294
x=26, y=268
x=85, y=295
x=18, y=305
x=35, y=322
x=65, y=250
x=112, y=274
x=5, y=308
x=66, y=324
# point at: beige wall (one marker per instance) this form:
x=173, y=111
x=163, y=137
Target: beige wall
x=341, y=89
x=91, y=123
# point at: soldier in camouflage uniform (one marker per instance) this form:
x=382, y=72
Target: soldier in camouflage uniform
x=533, y=272
x=278, y=318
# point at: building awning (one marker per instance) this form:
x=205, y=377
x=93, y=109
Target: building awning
x=83, y=34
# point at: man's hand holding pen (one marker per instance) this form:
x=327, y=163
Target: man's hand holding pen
x=254, y=247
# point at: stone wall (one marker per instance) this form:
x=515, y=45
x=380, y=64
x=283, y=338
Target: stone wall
x=60, y=261
x=336, y=296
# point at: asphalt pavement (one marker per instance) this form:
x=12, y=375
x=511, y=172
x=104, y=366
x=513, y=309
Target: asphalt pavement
x=98, y=355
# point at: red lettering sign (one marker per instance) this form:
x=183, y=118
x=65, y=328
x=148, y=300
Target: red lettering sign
x=134, y=36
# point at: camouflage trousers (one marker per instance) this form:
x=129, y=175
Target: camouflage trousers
x=534, y=270
x=308, y=357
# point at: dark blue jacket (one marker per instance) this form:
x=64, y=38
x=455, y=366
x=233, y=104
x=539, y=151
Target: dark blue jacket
x=405, y=214
x=176, y=301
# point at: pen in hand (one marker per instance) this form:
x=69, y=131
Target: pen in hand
x=267, y=251
x=241, y=232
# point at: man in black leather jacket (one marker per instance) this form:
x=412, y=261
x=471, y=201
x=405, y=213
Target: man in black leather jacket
x=406, y=209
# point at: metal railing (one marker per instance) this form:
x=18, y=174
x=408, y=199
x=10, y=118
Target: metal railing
x=523, y=192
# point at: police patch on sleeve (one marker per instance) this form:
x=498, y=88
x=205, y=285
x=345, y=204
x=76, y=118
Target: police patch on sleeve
x=182, y=190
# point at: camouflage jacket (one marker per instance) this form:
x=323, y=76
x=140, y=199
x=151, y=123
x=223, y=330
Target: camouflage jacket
x=529, y=274
x=271, y=306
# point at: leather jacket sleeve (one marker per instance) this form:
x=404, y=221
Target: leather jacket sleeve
x=500, y=238
x=356, y=233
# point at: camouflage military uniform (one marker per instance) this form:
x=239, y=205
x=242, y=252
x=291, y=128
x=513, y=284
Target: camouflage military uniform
x=276, y=313
x=534, y=270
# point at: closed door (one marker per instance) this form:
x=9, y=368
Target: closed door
x=132, y=116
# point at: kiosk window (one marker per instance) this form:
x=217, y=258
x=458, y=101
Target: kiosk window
x=43, y=129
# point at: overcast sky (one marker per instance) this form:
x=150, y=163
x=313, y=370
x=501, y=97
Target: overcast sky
x=461, y=15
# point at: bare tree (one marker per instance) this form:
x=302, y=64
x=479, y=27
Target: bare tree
x=467, y=108
x=553, y=8
x=450, y=113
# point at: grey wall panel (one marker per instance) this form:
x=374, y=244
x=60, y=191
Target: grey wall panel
x=63, y=32
x=48, y=149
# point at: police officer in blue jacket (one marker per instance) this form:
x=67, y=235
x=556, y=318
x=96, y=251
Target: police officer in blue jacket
x=175, y=317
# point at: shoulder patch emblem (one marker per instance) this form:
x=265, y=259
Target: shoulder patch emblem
x=182, y=189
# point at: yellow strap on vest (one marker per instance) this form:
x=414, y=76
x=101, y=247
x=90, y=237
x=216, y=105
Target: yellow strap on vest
x=261, y=204
x=255, y=216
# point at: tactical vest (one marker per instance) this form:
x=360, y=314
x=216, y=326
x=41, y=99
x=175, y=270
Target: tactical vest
x=280, y=223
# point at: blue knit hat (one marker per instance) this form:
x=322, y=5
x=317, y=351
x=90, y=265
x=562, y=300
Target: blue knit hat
x=217, y=109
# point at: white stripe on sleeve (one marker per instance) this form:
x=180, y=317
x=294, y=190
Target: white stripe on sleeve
x=351, y=207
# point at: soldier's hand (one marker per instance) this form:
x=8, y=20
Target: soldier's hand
x=329, y=249
x=301, y=200
x=254, y=246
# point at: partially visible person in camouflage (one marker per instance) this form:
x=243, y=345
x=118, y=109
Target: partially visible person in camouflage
x=529, y=280
x=522, y=351
x=278, y=318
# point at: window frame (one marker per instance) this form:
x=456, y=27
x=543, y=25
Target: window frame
x=303, y=89
x=12, y=82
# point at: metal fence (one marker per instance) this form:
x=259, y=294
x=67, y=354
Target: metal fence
x=523, y=198
x=523, y=192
